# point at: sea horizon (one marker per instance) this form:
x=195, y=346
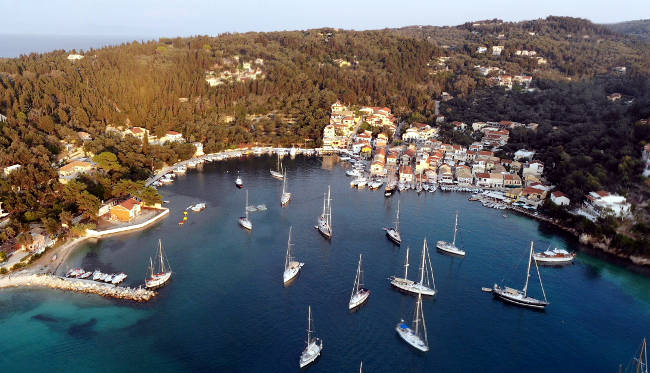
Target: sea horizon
x=15, y=45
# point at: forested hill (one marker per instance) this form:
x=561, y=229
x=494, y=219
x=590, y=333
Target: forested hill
x=640, y=28
x=161, y=85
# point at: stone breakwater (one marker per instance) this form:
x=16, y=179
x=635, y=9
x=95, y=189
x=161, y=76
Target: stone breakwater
x=76, y=285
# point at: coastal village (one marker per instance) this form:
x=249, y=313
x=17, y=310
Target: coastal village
x=418, y=160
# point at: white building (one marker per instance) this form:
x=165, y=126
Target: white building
x=199, y=149
x=524, y=154
x=10, y=169
x=481, y=50
x=496, y=50
x=604, y=203
x=74, y=57
x=560, y=198
x=3, y=118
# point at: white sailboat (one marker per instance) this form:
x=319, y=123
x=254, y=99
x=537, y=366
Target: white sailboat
x=158, y=276
x=291, y=267
x=359, y=293
x=286, y=196
x=426, y=285
x=520, y=297
x=278, y=173
x=238, y=182
x=641, y=363
x=393, y=233
x=450, y=247
x=314, y=346
x=325, y=220
x=416, y=335
x=244, y=221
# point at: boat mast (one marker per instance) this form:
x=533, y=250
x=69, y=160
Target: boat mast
x=397, y=222
x=309, y=327
x=643, y=357
x=406, y=264
x=530, y=257
x=329, y=208
x=424, y=324
x=424, y=252
x=246, y=205
x=416, y=321
x=540, y=280
x=357, y=278
x=284, y=182
x=455, y=230
x=151, y=266
x=287, y=259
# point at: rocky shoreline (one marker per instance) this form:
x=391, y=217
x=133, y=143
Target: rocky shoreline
x=76, y=285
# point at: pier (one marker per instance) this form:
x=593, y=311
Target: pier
x=76, y=285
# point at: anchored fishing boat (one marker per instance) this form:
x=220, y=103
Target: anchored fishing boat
x=520, y=297
x=450, y=247
x=415, y=335
x=157, y=276
x=314, y=346
x=359, y=293
x=426, y=285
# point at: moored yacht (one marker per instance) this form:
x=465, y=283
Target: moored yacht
x=393, y=233
x=278, y=174
x=325, y=219
x=416, y=334
x=291, y=267
x=554, y=257
x=426, y=285
x=450, y=247
x=238, y=182
x=520, y=297
x=244, y=221
x=314, y=346
x=359, y=293
x=286, y=196
x=158, y=276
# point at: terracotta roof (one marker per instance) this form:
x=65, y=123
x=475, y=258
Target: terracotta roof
x=173, y=133
x=129, y=203
x=557, y=193
x=406, y=170
x=136, y=129
x=72, y=165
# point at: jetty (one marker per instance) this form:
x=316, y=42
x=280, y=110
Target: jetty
x=76, y=285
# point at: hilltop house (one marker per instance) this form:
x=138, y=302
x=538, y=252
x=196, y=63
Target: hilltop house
x=71, y=170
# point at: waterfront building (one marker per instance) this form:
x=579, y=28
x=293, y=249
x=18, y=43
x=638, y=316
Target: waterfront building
x=126, y=211
x=560, y=198
x=604, y=203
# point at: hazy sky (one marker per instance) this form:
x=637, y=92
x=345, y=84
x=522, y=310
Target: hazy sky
x=191, y=17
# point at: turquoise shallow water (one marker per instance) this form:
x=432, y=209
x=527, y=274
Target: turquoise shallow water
x=226, y=308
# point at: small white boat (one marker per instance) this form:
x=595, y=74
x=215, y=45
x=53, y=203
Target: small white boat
x=555, y=256
x=86, y=275
x=119, y=278
x=314, y=346
x=102, y=277
x=278, y=174
x=359, y=293
x=361, y=182
x=291, y=267
x=180, y=170
x=109, y=278
x=238, y=182
x=450, y=247
x=426, y=285
x=244, y=221
x=158, y=276
x=96, y=275
x=416, y=335
x=353, y=173
x=198, y=207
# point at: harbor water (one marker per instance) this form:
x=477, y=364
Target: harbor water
x=227, y=310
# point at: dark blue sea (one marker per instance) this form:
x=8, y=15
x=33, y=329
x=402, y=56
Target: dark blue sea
x=12, y=45
x=226, y=309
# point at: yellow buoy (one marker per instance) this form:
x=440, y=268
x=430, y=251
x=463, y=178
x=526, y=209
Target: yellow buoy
x=185, y=212
x=185, y=218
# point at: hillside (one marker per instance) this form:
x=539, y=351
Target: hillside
x=276, y=88
x=639, y=28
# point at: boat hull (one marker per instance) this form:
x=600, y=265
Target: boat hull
x=324, y=229
x=158, y=282
x=277, y=175
x=285, y=199
x=358, y=299
x=311, y=353
x=291, y=273
x=411, y=287
x=542, y=260
x=447, y=248
x=409, y=337
x=393, y=236
x=527, y=302
x=246, y=224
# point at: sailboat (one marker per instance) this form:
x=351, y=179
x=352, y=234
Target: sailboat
x=286, y=196
x=325, y=220
x=291, y=267
x=278, y=173
x=450, y=247
x=642, y=360
x=359, y=293
x=520, y=297
x=314, y=346
x=426, y=285
x=416, y=335
x=393, y=233
x=244, y=221
x=238, y=182
x=158, y=276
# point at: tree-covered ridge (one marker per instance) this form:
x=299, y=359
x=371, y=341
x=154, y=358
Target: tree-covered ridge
x=160, y=85
x=639, y=28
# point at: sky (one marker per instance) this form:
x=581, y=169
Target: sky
x=148, y=18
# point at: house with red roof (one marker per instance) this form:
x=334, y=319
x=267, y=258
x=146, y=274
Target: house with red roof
x=126, y=211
